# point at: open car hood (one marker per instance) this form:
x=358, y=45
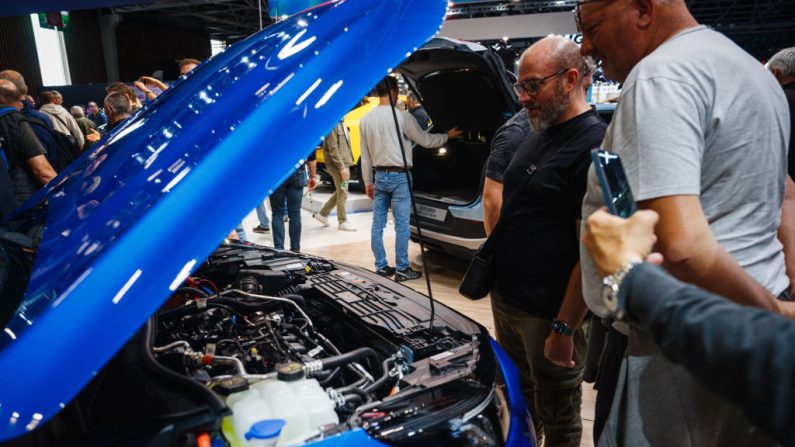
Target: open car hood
x=125, y=224
x=462, y=84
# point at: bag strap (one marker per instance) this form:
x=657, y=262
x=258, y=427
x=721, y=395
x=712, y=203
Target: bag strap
x=6, y=110
x=59, y=119
x=549, y=150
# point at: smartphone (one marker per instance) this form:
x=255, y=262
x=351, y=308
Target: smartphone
x=614, y=183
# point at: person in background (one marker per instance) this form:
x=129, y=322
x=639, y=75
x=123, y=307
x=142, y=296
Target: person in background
x=740, y=353
x=145, y=84
x=89, y=129
x=40, y=122
x=62, y=121
x=782, y=65
x=96, y=114
x=537, y=299
x=28, y=104
x=701, y=130
x=381, y=152
x=286, y=199
x=264, y=224
x=118, y=108
x=417, y=111
x=507, y=140
x=126, y=90
x=24, y=161
x=339, y=158
x=187, y=65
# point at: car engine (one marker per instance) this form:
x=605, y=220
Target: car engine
x=317, y=349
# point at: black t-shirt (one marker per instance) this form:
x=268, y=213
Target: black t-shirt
x=507, y=140
x=538, y=246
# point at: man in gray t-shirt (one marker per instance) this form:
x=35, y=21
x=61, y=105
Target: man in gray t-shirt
x=702, y=131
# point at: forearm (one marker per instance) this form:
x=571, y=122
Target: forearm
x=158, y=83
x=742, y=354
x=716, y=271
x=573, y=309
x=786, y=230
x=312, y=164
x=492, y=202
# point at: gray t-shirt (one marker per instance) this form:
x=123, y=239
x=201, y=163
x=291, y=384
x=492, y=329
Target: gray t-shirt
x=699, y=116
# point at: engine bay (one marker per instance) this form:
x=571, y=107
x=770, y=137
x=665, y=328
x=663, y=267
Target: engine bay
x=319, y=348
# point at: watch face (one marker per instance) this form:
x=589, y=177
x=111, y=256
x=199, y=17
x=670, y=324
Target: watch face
x=559, y=327
x=609, y=297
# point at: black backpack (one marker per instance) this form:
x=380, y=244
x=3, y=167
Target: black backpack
x=66, y=147
x=9, y=128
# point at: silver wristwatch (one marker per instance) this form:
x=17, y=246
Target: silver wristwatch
x=610, y=287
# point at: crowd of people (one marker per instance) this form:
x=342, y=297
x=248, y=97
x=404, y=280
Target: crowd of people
x=703, y=131
x=680, y=315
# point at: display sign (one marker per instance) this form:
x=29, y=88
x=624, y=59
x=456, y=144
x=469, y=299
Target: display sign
x=54, y=20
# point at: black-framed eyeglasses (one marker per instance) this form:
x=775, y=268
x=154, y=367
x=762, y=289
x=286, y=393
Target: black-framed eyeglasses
x=577, y=18
x=532, y=86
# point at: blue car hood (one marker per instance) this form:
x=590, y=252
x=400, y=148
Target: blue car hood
x=127, y=222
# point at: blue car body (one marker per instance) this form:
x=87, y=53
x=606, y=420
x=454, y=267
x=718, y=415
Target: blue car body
x=129, y=221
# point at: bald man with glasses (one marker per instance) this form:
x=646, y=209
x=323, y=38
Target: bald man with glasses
x=701, y=128
x=537, y=300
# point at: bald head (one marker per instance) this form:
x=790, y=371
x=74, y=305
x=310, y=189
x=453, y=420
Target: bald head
x=550, y=83
x=9, y=94
x=16, y=78
x=555, y=53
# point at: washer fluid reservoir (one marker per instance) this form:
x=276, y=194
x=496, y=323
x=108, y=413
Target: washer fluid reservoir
x=302, y=404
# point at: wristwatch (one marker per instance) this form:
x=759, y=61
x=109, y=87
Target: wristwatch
x=562, y=328
x=610, y=287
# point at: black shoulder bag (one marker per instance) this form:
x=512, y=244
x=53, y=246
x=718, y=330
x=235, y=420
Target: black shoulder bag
x=481, y=274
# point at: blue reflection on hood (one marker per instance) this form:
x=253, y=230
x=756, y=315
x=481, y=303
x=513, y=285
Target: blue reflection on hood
x=129, y=221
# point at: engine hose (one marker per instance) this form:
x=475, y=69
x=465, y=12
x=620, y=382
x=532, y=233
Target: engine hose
x=381, y=380
x=357, y=394
x=349, y=357
x=355, y=385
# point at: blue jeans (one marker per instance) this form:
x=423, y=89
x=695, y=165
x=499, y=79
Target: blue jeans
x=287, y=199
x=241, y=233
x=262, y=215
x=391, y=188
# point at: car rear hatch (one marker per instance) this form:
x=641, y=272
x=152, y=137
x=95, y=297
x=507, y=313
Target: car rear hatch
x=462, y=85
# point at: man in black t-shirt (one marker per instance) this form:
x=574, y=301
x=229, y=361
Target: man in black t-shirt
x=25, y=165
x=537, y=298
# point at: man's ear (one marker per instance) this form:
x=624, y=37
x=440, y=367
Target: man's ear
x=572, y=80
x=645, y=11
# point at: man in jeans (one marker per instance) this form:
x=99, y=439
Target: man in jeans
x=381, y=151
x=286, y=199
x=339, y=159
x=537, y=296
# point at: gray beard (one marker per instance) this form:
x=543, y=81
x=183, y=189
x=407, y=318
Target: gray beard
x=550, y=112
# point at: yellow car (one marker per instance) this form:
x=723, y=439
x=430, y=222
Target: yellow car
x=351, y=121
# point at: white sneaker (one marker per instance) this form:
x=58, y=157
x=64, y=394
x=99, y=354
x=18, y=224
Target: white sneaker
x=322, y=219
x=345, y=226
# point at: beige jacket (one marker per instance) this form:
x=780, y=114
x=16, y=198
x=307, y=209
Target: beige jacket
x=337, y=148
x=62, y=121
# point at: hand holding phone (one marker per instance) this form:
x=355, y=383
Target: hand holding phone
x=614, y=183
